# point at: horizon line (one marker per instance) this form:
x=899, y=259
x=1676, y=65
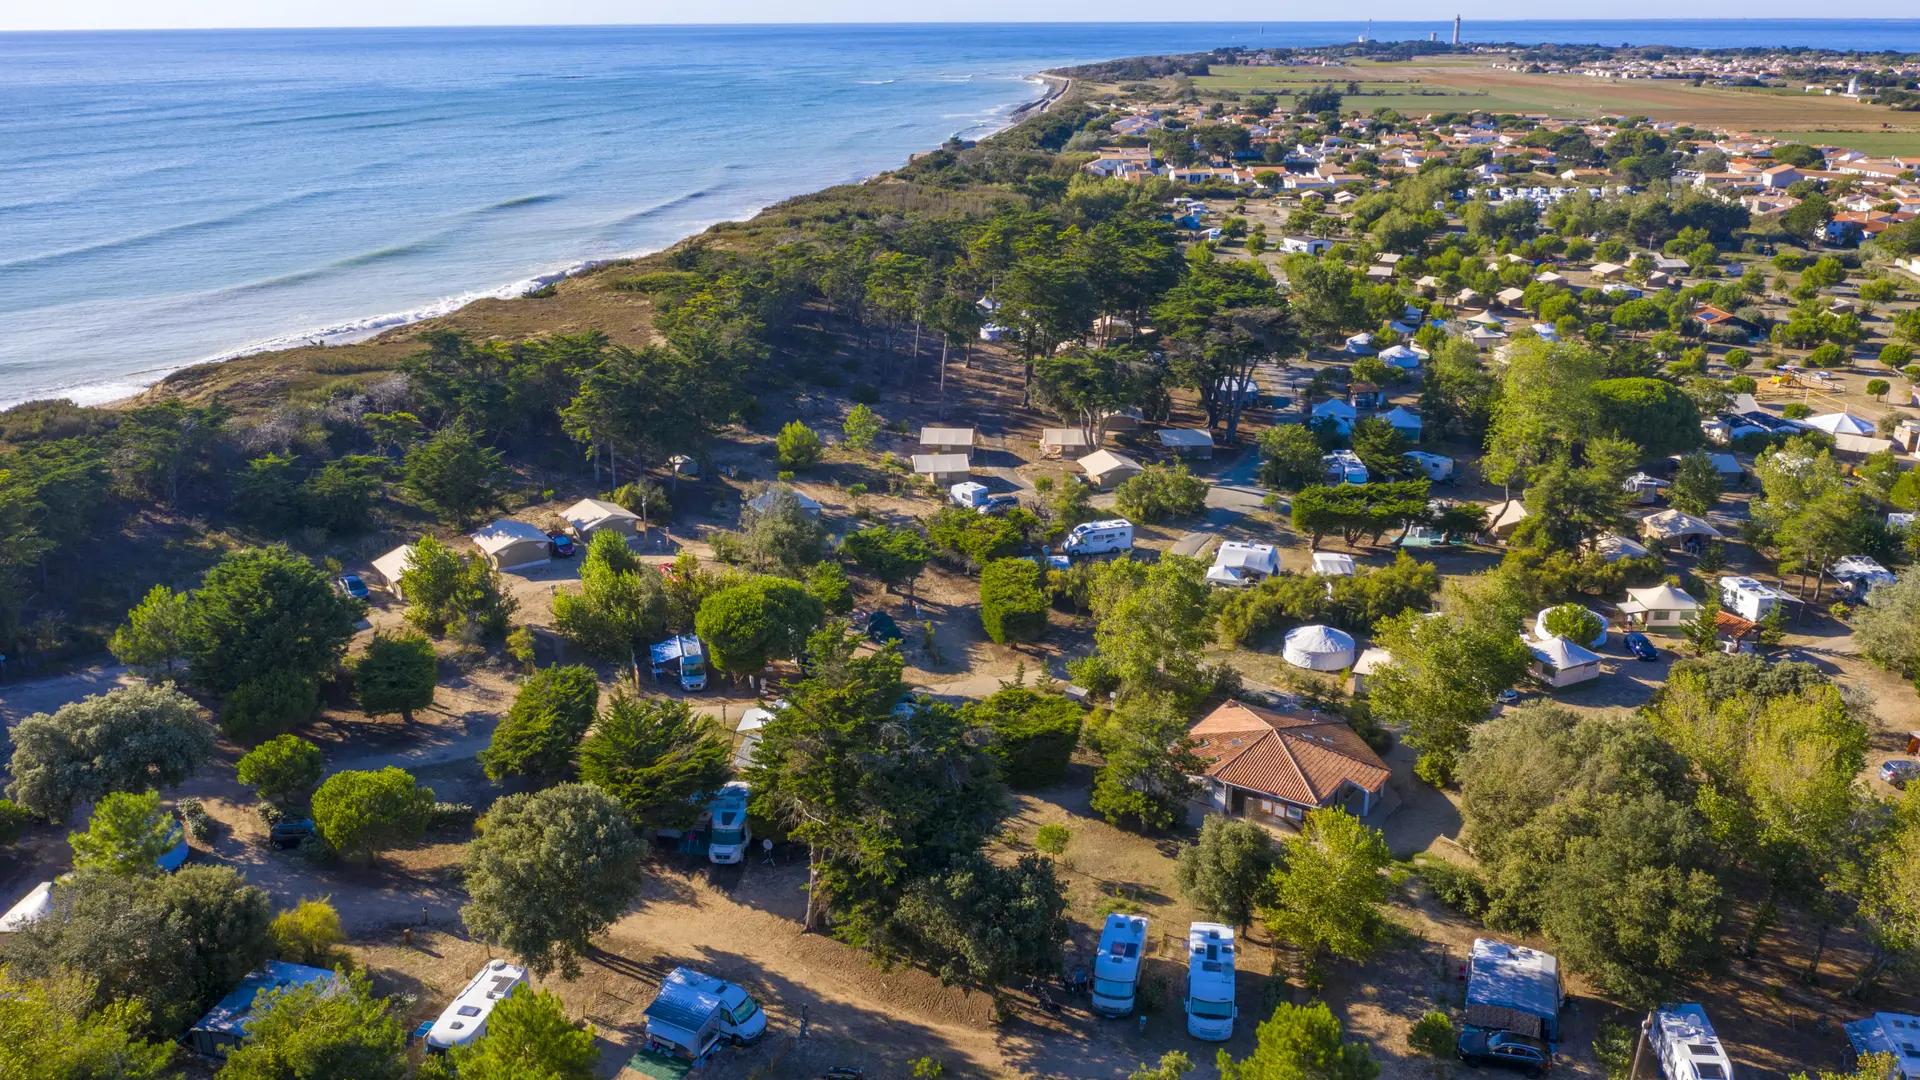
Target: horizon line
x=1446, y=20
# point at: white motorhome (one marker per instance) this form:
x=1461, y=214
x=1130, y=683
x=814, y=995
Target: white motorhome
x=1860, y=573
x=1209, y=1006
x=1438, y=467
x=730, y=836
x=1750, y=598
x=1344, y=467
x=1682, y=1039
x=466, y=1019
x=741, y=1018
x=1116, y=970
x=1100, y=537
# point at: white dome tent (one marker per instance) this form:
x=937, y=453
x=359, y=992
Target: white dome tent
x=1318, y=648
x=1540, y=626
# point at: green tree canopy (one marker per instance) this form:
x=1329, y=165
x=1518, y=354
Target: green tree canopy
x=1033, y=734
x=153, y=640
x=284, y=769
x=527, y=1028
x=541, y=732
x=1225, y=874
x=127, y=834
x=320, y=1031
x=656, y=756
x=128, y=739
x=360, y=813
x=549, y=871
x=1301, y=1042
x=397, y=675
x=454, y=474
x=52, y=1023
x=749, y=625
x=1327, y=894
x=264, y=612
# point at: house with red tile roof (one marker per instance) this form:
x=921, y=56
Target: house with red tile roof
x=1273, y=767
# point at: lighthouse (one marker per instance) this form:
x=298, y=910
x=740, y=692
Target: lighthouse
x=1456, y=29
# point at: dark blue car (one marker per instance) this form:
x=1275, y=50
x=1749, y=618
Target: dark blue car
x=1640, y=647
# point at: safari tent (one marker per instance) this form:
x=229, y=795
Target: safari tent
x=510, y=544
x=1107, y=469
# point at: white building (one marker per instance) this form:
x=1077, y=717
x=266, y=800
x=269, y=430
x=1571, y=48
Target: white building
x=1559, y=662
x=1318, y=648
x=1659, y=607
x=1332, y=564
x=1237, y=564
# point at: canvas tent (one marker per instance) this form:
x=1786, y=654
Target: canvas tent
x=510, y=544
x=764, y=501
x=943, y=440
x=1540, y=626
x=1504, y=517
x=1339, y=412
x=1061, y=441
x=1237, y=564
x=1107, y=469
x=1659, y=607
x=1674, y=525
x=30, y=909
x=945, y=469
x=1332, y=564
x=1318, y=648
x=1369, y=662
x=391, y=565
x=1559, y=662
x=751, y=723
x=1840, y=423
x=1187, y=442
x=1614, y=548
x=589, y=516
x=1405, y=421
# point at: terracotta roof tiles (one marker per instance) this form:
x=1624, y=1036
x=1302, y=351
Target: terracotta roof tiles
x=1303, y=759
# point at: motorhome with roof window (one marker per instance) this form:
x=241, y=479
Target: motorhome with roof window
x=1682, y=1038
x=730, y=835
x=1210, y=1009
x=466, y=1019
x=1116, y=970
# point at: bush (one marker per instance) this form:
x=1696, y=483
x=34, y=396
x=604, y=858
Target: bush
x=14, y=820
x=1796, y=410
x=361, y=813
x=1456, y=887
x=1052, y=839
x=1161, y=492
x=307, y=934
x=269, y=705
x=865, y=393
x=1432, y=1035
x=1013, y=601
x=285, y=768
x=199, y=824
x=1738, y=359
x=798, y=447
x=1032, y=734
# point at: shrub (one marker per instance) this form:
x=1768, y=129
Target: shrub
x=360, y=813
x=865, y=393
x=1455, y=886
x=269, y=705
x=1828, y=355
x=1738, y=359
x=14, y=820
x=1575, y=623
x=1013, y=601
x=307, y=934
x=798, y=447
x=828, y=584
x=1052, y=839
x=199, y=824
x=1796, y=410
x=1432, y=1035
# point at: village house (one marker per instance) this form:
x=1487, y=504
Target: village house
x=1274, y=768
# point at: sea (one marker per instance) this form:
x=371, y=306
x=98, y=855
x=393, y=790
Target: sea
x=168, y=198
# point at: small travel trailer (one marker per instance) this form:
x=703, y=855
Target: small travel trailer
x=465, y=1019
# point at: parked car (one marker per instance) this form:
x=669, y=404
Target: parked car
x=1897, y=771
x=560, y=545
x=997, y=503
x=1480, y=1048
x=288, y=834
x=351, y=585
x=1641, y=647
x=1509, y=696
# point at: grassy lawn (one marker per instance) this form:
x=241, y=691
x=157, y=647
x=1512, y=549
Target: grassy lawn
x=1902, y=143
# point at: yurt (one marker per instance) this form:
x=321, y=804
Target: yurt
x=1540, y=627
x=1318, y=648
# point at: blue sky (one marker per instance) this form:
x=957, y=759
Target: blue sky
x=155, y=14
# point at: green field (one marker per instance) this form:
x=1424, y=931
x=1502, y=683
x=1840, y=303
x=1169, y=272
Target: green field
x=1902, y=143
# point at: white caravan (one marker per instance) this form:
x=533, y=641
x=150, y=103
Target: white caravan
x=466, y=1019
x=1100, y=537
x=1209, y=1006
x=1116, y=971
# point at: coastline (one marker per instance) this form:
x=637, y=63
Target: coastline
x=372, y=328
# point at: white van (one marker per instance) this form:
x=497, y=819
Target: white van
x=466, y=1019
x=1116, y=971
x=741, y=1018
x=728, y=840
x=1210, y=1009
x=1100, y=537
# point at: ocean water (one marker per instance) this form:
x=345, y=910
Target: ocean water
x=173, y=197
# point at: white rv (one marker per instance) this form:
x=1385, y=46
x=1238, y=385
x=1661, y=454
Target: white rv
x=1116, y=971
x=741, y=1018
x=1344, y=467
x=1438, y=467
x=466, y=1019
x=1209, y=1006
x=1860, y=573
x=1682, y=1038
x=1751, y=599
x=1100, y=537
x=727, y=842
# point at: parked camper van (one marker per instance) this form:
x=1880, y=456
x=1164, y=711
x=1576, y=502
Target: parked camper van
x=741, y=1019
x=1210, y=1009
x=730, y=835
x=1100, y=537
x=685, y=657
x=1116, y=971
x=466, y=1019
x=1682, y=1038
